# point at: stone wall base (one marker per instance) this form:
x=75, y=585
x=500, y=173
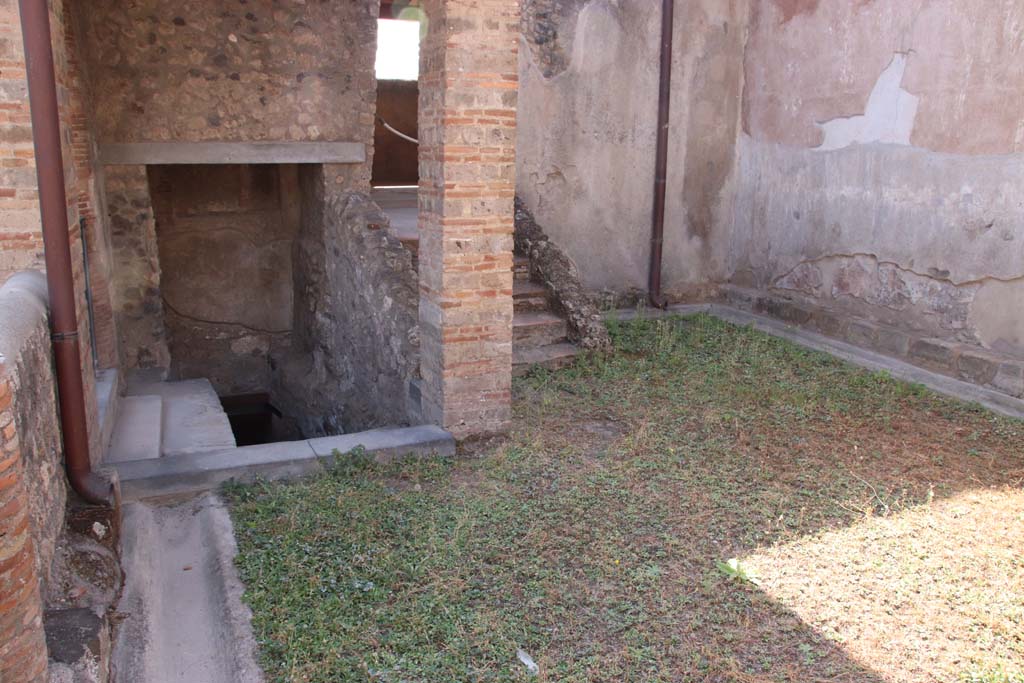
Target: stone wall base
x=966, y=362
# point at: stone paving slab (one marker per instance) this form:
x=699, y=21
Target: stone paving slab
x=193, y=419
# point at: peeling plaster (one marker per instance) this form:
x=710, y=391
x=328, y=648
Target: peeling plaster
x=888, y=118
x=865, y=279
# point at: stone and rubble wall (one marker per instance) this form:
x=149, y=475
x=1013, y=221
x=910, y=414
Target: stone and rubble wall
x=355, y=346
x=33, y=490
x=174, y=71
x=137, y=300
x=881, y=179
x=225, y=236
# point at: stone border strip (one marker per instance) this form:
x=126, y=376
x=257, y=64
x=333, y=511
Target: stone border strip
x=870, y=360
x=198, y=472
x=149, y=153
x=966, y=362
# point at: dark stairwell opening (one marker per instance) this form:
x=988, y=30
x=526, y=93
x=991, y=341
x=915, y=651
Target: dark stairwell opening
x=254, y=419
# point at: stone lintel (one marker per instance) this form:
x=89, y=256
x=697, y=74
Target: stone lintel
x=153, y=153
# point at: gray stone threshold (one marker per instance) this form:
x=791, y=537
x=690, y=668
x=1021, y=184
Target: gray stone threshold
x=948, y=386
x=192, y=473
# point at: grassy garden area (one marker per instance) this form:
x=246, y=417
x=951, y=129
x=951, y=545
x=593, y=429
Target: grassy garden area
x=707, y=503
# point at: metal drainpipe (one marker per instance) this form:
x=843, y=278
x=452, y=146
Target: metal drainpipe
x=42, y=86
x=661, y=157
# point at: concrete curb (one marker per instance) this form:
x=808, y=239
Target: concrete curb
x=197, y=472
x=220, y=534
x=182, y=601
x=948, y=386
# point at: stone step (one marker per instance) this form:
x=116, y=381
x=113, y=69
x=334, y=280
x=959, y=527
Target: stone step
x=529, y=296
x=537, y=328
x=521, y=268
x=550, y=357
x=107, y=400
x=194, y=420
x=138, y=430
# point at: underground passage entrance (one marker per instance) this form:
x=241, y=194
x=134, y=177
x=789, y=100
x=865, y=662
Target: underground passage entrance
x=254, y=419
x=225, y=235
x=274, y=287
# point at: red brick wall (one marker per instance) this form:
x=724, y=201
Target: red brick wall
x=21, y=244
x=85, y=181
x=468, y=90
x=22, y=644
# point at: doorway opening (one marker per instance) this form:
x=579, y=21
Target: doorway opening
x=396, y=152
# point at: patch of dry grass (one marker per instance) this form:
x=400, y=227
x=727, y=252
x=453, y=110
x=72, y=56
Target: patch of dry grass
x=875, y=529
x=922, y=595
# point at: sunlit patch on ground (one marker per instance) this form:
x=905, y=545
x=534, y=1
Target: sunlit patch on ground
x=936, y=588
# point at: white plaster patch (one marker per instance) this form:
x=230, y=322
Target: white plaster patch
x=888, y=118
x=598, y=34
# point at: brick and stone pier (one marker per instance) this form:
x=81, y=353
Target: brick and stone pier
x=468, y=92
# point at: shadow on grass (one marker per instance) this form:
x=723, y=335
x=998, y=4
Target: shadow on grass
x=596, y=539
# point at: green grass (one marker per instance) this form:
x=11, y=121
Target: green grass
x=598, y=539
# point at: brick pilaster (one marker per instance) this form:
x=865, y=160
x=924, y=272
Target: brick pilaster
x=22, y=643
x=468, y=91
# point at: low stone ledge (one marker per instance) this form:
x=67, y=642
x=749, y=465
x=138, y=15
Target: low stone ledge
x=199, y=472
x=962, y=361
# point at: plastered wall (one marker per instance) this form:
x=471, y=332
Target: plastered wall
x=587, y=118
x=881, y=170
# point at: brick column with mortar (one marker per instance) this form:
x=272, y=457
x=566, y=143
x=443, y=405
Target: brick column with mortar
x=22, y=643
x=467, y=123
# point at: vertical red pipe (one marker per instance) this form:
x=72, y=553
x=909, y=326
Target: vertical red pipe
x=661, y=156
x=42, y=87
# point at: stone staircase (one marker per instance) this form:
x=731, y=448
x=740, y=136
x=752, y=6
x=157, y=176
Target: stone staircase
x=539, y=336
